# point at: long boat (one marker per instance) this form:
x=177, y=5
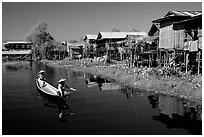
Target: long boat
x=50, y=90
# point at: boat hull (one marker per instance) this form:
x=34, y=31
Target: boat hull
x=50, y=90
x=46, y=88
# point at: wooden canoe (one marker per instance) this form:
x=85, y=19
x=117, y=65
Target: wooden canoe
x=46, y=88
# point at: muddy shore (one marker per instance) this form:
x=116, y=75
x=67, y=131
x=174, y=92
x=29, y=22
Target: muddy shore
x=145, y=79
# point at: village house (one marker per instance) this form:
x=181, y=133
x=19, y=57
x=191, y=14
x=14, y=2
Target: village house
x=192, y=45
x=16, y=50
x=150, y=52
x=75, y=48
x=88, y=38
x=116, y=44
x=175, y=29
x=106, y=43
x=89, y=46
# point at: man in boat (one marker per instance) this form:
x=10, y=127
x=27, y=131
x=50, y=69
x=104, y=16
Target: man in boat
x=61, y=87
x=41, y=76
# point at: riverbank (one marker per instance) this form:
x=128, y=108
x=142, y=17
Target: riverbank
x=155, y=80
x=16, y=65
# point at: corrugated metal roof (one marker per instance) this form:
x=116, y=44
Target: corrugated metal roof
x=183, y=13
x=136, y=33
x=17, y=42
x=90, y=37
x=189, y=19
x=16, y=52
x=118, y=35
x=111, y=35
x=76, y=43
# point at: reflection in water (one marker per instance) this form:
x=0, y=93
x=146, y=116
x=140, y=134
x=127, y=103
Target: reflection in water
x=60, y=104
x=177, y=113
x=103, y=84
x=130, y=92
x=91, y=80
x=173, y=112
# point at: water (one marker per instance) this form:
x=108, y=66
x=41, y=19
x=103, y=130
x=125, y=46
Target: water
x=101, y=107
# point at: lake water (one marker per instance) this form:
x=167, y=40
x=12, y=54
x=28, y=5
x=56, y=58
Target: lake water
x=101, y=107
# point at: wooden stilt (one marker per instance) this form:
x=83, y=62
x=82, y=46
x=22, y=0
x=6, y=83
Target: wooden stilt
x=184, y=54
x=149, y=56
x=187, y=54
x=198, y=62
x=160, y=58
x=164, y=59
x=136, y=60
x=174, y=55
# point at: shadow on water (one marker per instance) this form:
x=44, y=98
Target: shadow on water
x=177, y=113
x=60, y=104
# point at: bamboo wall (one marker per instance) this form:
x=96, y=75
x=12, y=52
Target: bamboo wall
x=171, y=39
x=179, y=37
x=166, y=38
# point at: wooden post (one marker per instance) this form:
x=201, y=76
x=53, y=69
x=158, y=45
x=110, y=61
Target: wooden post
x=184, y=54
x=174, y=55
x=151, y=60
x=199, y=61
x=148, y=60
x=164, y=59
x=187, y=54
x=160, y=60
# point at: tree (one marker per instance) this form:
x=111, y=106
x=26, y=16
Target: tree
x=115, y=29
x=135, y=30
x=42, y=40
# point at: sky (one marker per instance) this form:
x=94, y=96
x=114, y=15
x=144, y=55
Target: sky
x=71, y=21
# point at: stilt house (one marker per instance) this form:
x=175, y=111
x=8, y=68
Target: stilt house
x=175, y=29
